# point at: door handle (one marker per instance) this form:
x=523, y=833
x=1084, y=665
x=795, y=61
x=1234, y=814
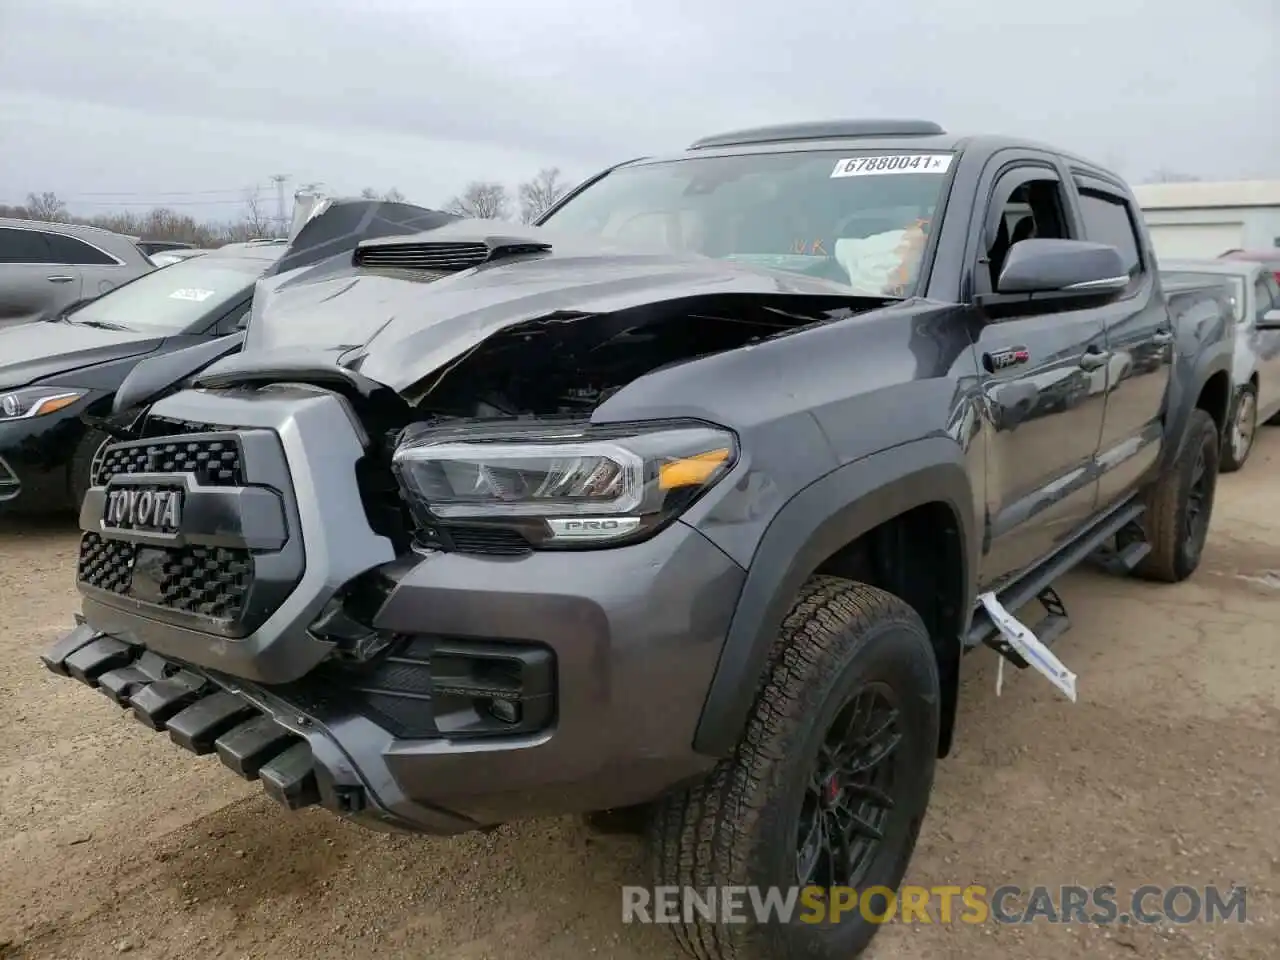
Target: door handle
x=1162, y=337
x=1094, y=359
x=60, y=279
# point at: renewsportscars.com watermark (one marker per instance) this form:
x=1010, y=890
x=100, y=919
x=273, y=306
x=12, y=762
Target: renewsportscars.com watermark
x=973, y=904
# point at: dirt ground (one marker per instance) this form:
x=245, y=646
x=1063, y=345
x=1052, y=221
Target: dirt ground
x=1167, y=771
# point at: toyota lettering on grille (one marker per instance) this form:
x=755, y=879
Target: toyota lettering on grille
x=144, y=510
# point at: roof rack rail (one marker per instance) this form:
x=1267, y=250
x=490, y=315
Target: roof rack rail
x=821, y=130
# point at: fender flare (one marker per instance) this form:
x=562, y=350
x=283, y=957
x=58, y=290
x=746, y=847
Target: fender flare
x=823, y=517
x=1203, y=367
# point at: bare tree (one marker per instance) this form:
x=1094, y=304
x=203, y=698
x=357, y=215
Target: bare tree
x=258, y=222
x=46, y=206
x=538, y=195
x=482, y=200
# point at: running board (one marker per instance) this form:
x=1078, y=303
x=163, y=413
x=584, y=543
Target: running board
x=1130, y=550
x=1035, y=583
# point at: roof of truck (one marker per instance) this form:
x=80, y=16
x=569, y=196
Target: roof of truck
x=861, y=135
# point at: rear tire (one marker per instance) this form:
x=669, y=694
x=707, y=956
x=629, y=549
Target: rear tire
x=1242, y=428
x=849, y=653
x=1180, y=505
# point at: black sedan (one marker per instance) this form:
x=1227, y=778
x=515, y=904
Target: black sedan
x=56, y=371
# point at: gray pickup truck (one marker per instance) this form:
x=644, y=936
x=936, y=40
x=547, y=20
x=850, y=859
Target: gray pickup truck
x=686, y=501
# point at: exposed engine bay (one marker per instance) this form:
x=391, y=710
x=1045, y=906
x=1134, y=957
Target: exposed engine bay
x=570, y=363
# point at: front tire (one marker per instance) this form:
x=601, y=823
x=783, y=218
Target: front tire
x=83, y=464
x=1241, y=430
x=829, y=784
x=1180, y=505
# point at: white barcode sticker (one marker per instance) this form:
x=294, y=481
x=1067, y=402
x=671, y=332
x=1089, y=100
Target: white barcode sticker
x=892, y=163
x=190, y=293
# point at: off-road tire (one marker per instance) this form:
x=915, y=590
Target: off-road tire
x=1174, y=556
x=1230, y=463
x=739, y=826
x=78, y=479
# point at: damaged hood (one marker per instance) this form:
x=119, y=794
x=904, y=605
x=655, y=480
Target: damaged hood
x=395, y=324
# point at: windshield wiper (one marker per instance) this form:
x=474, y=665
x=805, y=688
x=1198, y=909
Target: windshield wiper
x=98, y=324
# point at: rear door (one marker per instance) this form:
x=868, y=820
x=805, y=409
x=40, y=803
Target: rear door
x=1139, y=342
x=32, y=283
x=1266, y=344
x=1044, y=394
x=101, y=271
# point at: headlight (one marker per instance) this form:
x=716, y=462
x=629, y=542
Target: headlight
x=562, y=486
x=36, y=401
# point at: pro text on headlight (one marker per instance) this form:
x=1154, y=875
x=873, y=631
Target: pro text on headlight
x=564, y=486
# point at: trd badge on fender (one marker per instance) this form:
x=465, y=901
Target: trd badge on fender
x=138, y=508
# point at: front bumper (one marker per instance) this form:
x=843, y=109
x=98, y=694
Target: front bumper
x=250, y=734
x=35, y=462
x=607, y=655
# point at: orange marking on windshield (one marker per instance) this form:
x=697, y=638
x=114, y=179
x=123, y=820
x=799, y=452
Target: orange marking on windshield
x=807, y=248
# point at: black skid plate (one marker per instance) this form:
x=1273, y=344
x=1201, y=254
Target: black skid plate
x=197, y=713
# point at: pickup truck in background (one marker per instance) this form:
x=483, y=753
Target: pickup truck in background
x=685, y=502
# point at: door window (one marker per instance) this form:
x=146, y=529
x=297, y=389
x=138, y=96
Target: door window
x=1032, y=209
x=23, y=246
x=70, y=250
x=1108, y=219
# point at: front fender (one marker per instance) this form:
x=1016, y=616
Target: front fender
x=813, y=525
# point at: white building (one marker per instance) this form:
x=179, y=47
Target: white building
x=1201, y=219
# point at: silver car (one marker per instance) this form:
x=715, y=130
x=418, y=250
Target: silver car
x=1255, y=299
x=46, y=267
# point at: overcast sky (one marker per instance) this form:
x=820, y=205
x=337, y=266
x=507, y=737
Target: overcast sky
x=160, y=101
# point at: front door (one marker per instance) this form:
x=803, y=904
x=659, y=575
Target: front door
x=1044, y=383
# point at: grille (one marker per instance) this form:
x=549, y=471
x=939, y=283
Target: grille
x=212, y=462
x=491, y=542
x=208, y=581
x=165, y=427
x=440, y=257
x=486, y=541
x=106, y=564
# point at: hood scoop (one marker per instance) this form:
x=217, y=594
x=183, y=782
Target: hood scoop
x=441, y=256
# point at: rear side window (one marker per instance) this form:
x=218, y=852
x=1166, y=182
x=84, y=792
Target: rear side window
x=70, y=250
x=1107, y=219
x=23, y=246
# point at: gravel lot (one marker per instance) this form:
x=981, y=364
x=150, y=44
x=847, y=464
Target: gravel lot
x=1167, y=771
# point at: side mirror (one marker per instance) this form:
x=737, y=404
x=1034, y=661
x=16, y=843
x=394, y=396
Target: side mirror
x=1269, y=321
x=1070, y=267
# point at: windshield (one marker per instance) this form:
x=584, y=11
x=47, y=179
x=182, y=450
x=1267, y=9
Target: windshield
x=172, y=299
x=1234, y=284
x=858, y=218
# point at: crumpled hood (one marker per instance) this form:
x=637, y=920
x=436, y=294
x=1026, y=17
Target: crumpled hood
x=35, y=351
x=397, y=326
